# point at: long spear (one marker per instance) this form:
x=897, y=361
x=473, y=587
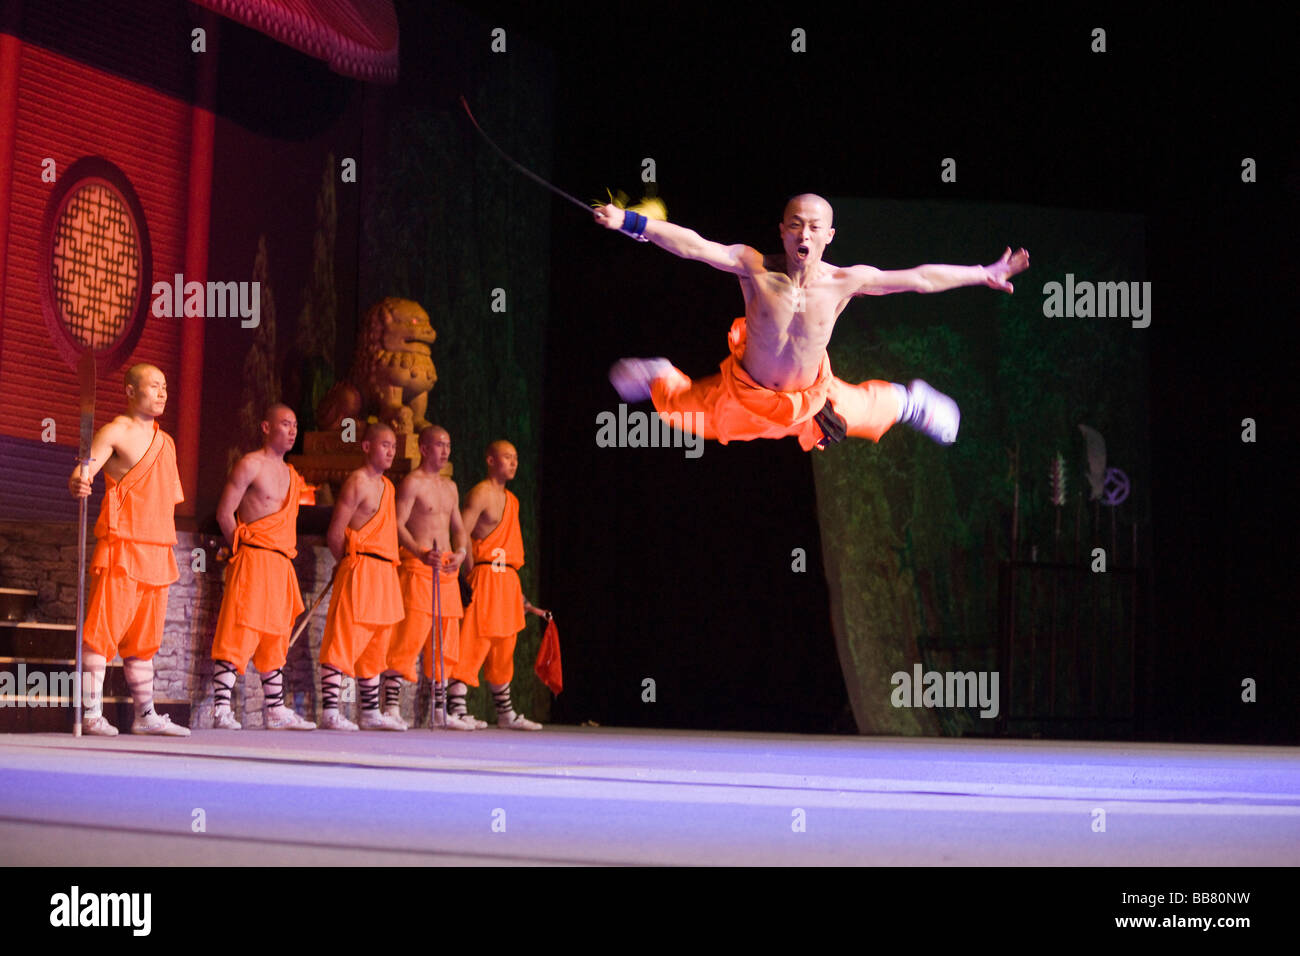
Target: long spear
x=86, y=377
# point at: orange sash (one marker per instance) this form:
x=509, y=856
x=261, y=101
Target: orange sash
x=372, y=592
x=136, y=530
x=260, y=577
x=498, y=605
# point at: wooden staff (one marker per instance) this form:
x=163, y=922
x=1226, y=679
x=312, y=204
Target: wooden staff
x=311, y=611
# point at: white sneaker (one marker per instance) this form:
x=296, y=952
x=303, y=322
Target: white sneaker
x=159, y=725
x=471, y=719
x=284, y=718
x=224, y=719
x=395, y=713
x=97, y=726
x=518, y=722
x=333, y=720
x=454, y=722
x=938, y=418
x=631, y=377
x=374, y=720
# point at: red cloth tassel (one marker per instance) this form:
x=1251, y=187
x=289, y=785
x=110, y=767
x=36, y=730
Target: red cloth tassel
x=548, y=659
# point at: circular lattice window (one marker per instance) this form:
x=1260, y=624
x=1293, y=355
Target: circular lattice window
x=97, y=263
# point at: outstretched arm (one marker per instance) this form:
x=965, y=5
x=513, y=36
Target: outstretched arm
x=689, y=244
x=941, y=278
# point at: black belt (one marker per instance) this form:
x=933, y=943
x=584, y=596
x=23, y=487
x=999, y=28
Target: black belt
x=262, y=547
x=832, y=424
x=371, y=554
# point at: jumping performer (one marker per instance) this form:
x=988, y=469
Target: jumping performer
x=428, y=518
x=367, y=598
x=777, y=381
x=258, y=513
x=133, y=564
x=495, y=616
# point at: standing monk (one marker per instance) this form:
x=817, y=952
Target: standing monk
x=496, y=613
x=367, y=598
x=777, y=380
x=428, y=526
x=258, y=514
x=133, y=563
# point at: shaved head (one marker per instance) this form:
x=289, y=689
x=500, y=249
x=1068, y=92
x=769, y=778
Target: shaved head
x=813, y=200
x=431, y=433
x=376, y=429
x=136, y=371
x=279, y=428
x=502, y=461
x=274, y=410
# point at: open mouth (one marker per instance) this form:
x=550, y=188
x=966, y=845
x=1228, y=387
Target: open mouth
x=802, y=250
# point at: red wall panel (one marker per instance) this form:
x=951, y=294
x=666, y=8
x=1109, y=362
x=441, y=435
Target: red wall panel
x=67, y=110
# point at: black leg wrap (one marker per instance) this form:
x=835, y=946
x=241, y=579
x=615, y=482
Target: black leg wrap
x=834, y=428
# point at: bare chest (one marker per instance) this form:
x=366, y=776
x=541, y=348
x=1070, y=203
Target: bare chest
x=266, y=493
x=490, y=517
x=129, y=449
x=369, y=500
x=433, y=502
x=778, y=305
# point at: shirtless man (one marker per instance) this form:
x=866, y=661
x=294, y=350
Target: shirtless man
x=777, y=380
x=367, y=598
x=258, y=513
x=133, y=564
x=428, y=527
x=496, y=614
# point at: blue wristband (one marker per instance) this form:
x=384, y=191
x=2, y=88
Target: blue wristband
x=634, y=224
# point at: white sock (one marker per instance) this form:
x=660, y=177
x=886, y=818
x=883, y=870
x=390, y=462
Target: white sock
x=139, y=678
x=92, y=683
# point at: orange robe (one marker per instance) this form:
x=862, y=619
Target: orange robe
x=731, y=406
x=133, y=562
x=262, y=598
x=496, y=614
x=416, y=629
x=367, y=598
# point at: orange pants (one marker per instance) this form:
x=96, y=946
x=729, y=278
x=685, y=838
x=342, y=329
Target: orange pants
x=731, y=406
x=475, y=650
x=236, y=645
x=416, y=631
x=358, y=650
x=124, y=616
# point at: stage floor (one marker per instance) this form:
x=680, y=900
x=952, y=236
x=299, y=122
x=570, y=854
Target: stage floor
x=571, y=795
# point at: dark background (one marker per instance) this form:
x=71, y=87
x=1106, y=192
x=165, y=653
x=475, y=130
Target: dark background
x=664, y=567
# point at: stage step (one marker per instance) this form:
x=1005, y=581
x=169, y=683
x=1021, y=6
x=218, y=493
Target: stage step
x=58, y=719
x=50, y=709
x=36, y=639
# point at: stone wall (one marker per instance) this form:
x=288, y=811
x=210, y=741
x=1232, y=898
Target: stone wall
x=43, y=556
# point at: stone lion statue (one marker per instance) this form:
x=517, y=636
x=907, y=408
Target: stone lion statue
x=392, y=370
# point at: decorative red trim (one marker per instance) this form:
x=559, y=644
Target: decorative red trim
x=358, y=38
x=198, y=223
x=11, y=49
